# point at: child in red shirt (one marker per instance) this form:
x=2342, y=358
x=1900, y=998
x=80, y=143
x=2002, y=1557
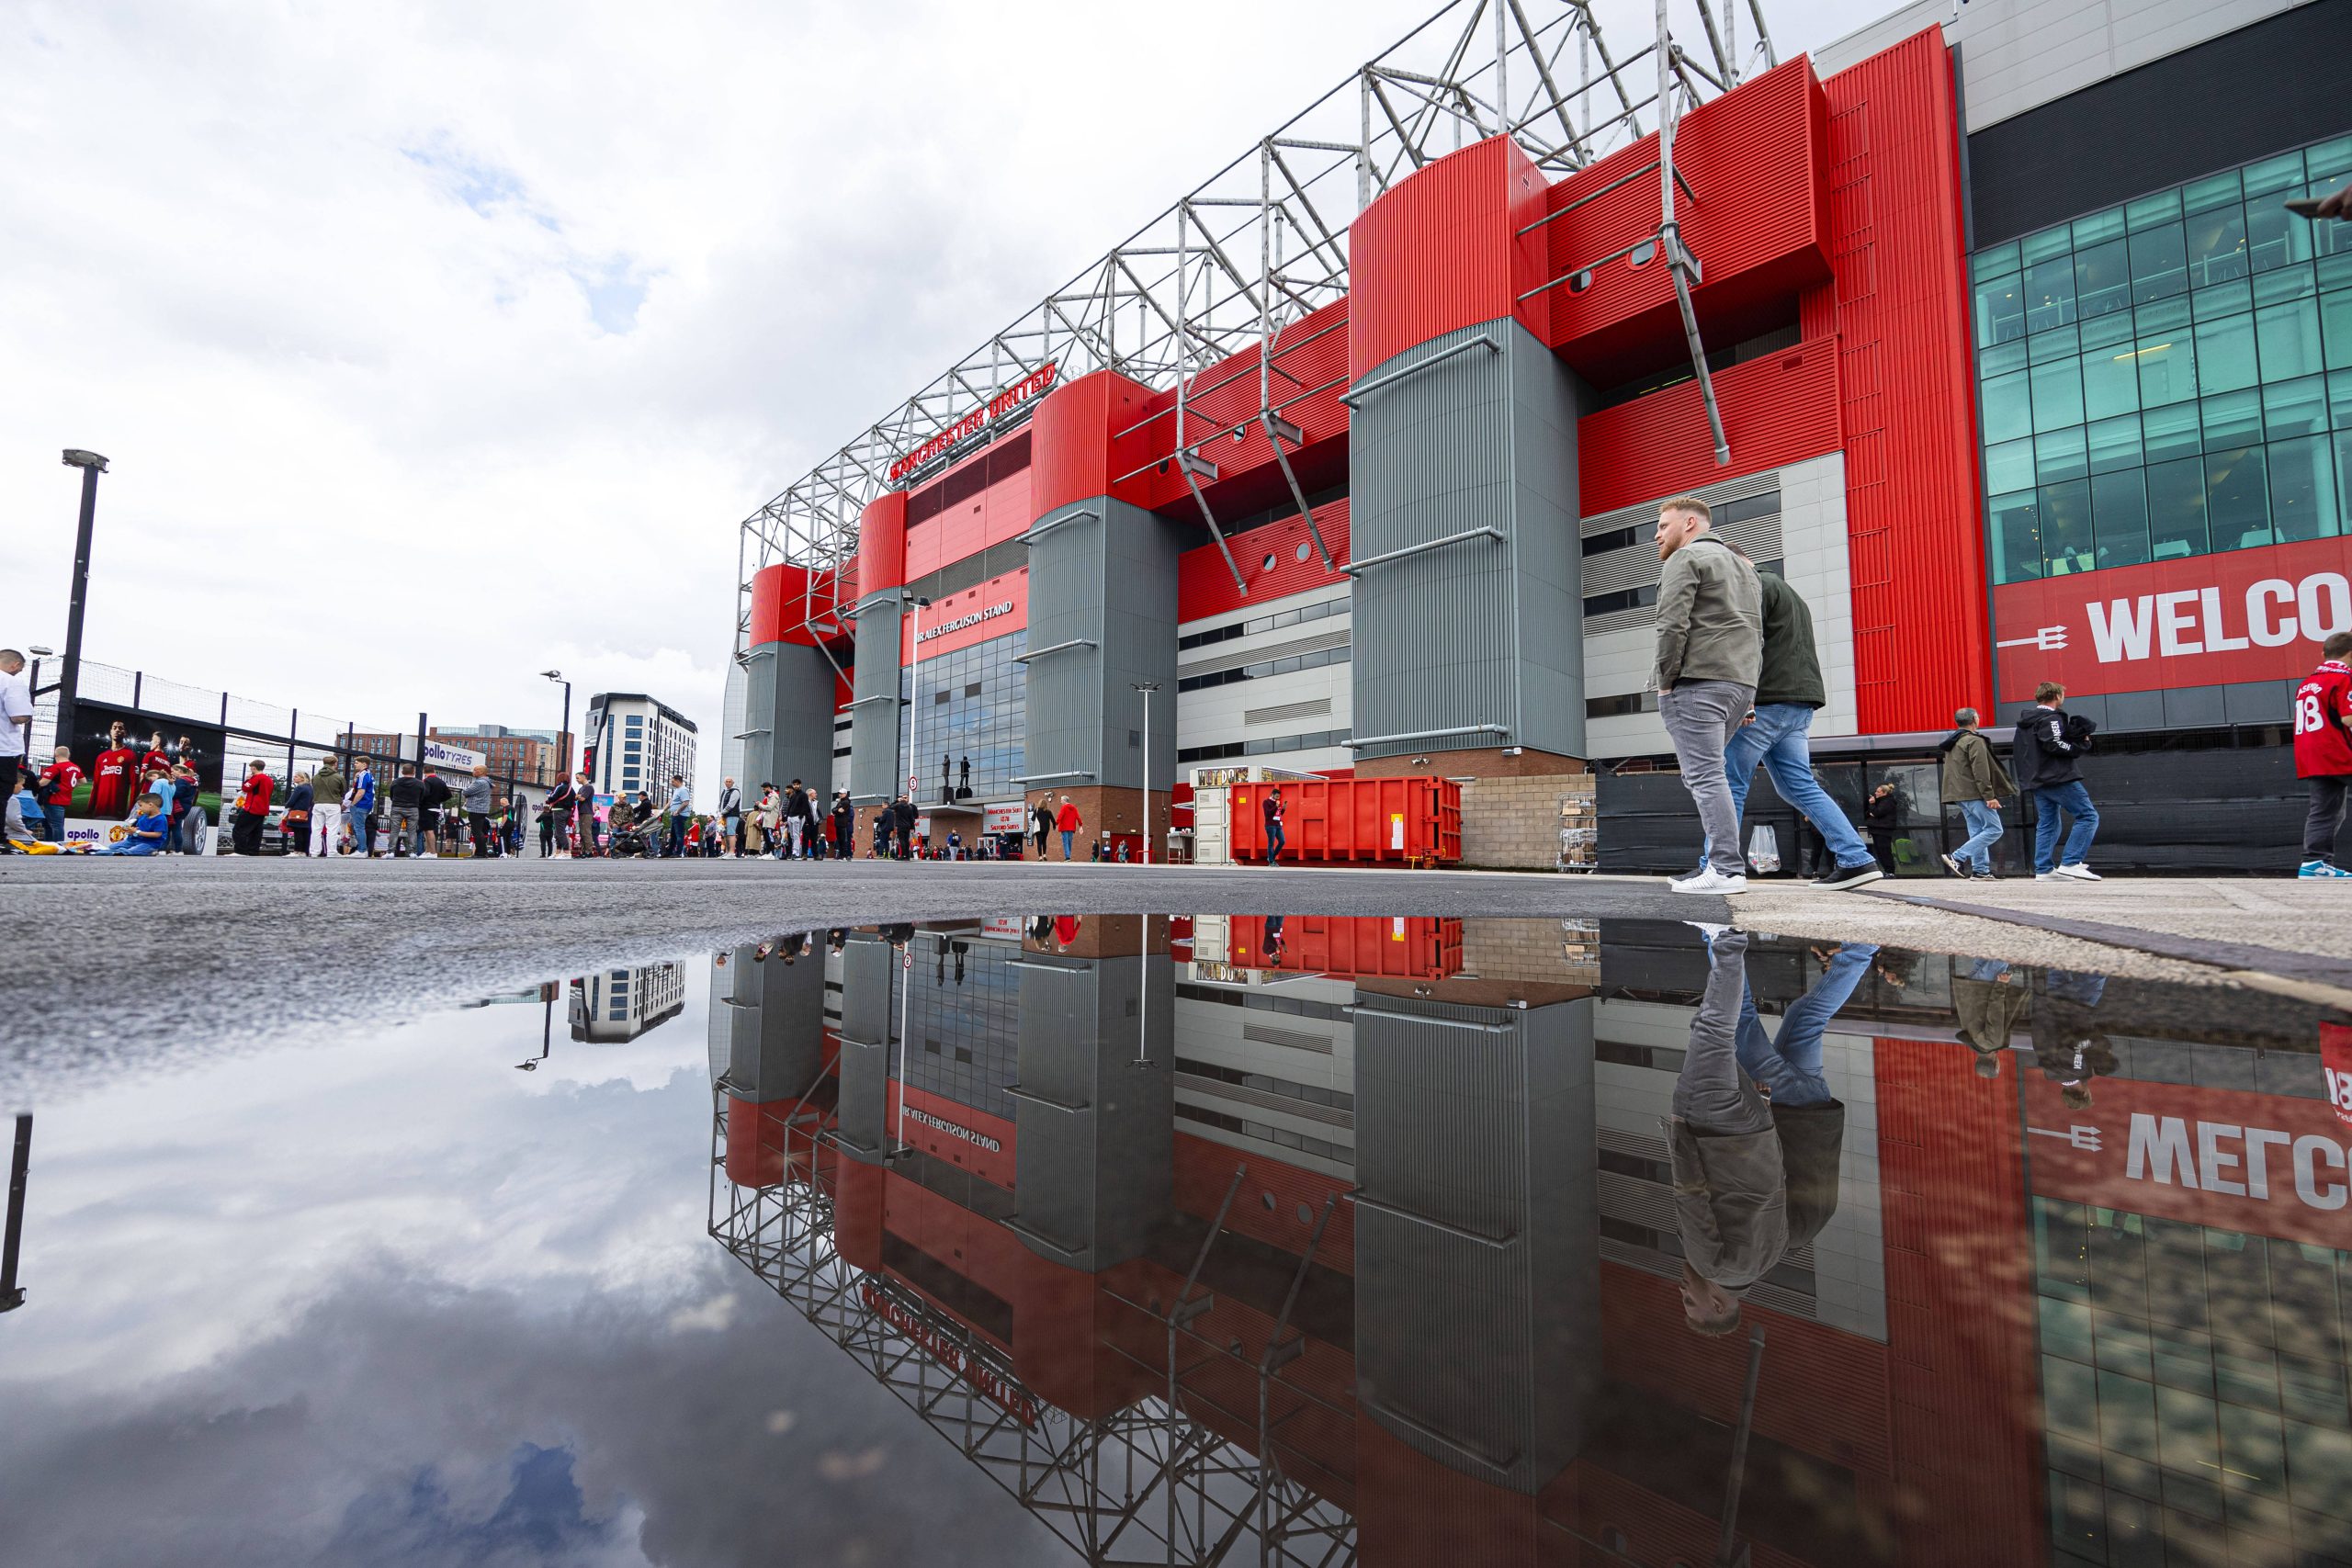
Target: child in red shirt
x=2324, y=754
x=58, y=783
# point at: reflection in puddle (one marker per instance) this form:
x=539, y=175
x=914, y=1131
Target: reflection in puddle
x=1310, y=1240
x=1401, y=1238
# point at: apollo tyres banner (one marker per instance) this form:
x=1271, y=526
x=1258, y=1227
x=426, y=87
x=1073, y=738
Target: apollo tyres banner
x=2254, y=614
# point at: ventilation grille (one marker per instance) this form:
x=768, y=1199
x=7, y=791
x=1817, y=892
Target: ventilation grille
x=1296, y=1039
x=1317, y=708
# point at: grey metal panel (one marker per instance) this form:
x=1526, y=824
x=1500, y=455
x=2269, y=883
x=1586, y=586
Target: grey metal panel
x=1547, y=547
x=874, y=725
x=1478, y=1356
x=758, y=708
x=1109, y=582
x=1489, y=630
x=778, y=1036
x=1095, y=1132
x=868, y=1009
x=799, y=720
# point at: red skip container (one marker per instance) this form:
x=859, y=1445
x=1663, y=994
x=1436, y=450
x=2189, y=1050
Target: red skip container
x=1330, y=820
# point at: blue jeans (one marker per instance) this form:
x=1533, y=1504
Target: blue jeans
x=1273, y=842
x=2075, y=802
x=1067, y=837
x=54, y=816
x=1984, y=832
x=678, y=833
x=1789, y=1067
x=1778, y=740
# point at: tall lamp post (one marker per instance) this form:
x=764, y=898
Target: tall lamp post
x=1145, y=689
x=11, y=1296
x=563, y=736
x=69, y=684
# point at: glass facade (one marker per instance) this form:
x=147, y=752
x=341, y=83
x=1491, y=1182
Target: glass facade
x=974, y=704
x=2170, y=378
x=2193, y=1381
x=964, y=1021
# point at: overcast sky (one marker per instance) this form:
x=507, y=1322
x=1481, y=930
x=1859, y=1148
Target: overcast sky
x=437, y=345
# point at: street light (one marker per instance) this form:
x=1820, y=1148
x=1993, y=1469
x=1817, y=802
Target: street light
x=563, y=736
x=11, y=1296
x=1145, y=688
x=68, y=684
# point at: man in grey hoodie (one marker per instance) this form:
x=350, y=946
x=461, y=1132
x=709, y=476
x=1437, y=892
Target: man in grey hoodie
x=477, y=804
x=1709, y=652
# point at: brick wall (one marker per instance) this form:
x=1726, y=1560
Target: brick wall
x=1513, y=822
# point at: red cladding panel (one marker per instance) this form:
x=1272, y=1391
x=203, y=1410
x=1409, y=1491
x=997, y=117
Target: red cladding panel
x=1822, y=1390
x=958, y=1134
x=1204, y=1169
x=858, y=1213
x=1416, y=947
x=791, y=605
x=1306, y=379
x=882, y=543
x=2202, y=621
x=1780, y=408
x=1071, y=459
x=1959, y=1307
x=1913, y=515
x=1757, y=160
x=1439, y=251
x=1205, y=587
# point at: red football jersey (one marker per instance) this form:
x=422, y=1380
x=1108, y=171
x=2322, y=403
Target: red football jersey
x=2323, y=704
x=61, y=780
x=110, y=781
x=158, y=760
x=254, y=797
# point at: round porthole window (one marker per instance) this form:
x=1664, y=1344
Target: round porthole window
x=1268, y=564
x=1640, y=255
x=1579, y=281
x=1302, y=549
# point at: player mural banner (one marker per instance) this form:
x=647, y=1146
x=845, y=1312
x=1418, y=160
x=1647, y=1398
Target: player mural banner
x=2254, y=614
x=113, y=745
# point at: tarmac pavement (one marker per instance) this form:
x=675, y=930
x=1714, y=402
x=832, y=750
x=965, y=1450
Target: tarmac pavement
x=118, y=956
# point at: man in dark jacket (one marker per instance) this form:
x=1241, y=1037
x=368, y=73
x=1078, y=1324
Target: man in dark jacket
x=902, y=825
x=2049, y=742
x=1789, y=691
x=433, y=804
x=407, y=795
x=1974, y=781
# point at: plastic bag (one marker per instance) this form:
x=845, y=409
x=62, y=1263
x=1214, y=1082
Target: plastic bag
x=1763, y=850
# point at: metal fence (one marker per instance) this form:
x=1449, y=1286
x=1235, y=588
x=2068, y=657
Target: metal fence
x=288, y=739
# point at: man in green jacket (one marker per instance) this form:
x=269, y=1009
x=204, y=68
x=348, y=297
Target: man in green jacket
x=1974, y=781
x=1710, y=652
x=327, y=808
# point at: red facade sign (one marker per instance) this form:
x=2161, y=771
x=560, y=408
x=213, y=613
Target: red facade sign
x=963, y=429
x=977, y=615
x=2254, y=614
x=2262, y=1164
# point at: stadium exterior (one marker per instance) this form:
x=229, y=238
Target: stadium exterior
x=1989, y=333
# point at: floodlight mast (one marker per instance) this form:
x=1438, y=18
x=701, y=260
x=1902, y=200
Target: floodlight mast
x=1173, y=298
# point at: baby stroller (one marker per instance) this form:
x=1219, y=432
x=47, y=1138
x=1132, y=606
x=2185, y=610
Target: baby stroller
x=637, y=838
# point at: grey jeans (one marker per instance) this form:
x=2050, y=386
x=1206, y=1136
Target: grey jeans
x=1712, y=1094
x=1700, y=718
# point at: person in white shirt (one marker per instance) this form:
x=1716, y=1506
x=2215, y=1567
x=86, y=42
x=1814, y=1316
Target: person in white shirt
x=16, y=716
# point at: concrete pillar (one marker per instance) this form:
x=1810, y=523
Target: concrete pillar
x=792, y=685
x=775, y=1048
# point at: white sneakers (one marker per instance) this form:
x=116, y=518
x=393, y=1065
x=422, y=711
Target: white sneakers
x=2077, y=871
x=1709, y=881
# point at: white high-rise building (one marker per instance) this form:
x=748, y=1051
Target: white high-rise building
x=640, y=743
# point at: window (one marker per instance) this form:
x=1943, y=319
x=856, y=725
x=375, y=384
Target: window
x=2168, y=378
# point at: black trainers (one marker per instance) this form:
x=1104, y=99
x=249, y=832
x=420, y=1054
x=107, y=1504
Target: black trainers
x=1855, y=875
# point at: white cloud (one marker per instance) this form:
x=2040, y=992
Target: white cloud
x=434, y=344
